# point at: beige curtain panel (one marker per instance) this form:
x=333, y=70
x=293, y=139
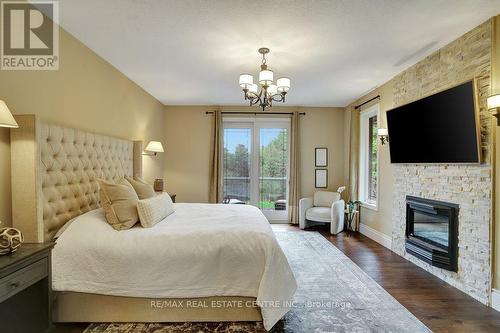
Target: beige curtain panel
x=215, y=188
x=354, y=161
x=294, y=178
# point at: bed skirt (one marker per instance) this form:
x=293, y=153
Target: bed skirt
x=73, y=307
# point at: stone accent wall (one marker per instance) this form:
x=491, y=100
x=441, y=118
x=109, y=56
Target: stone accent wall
x=470, y=186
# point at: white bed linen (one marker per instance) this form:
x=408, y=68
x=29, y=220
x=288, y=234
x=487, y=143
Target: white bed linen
x=201, y=250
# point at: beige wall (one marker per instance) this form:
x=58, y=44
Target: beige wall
x=188, y=134
x=87, y=93
x=380, y=219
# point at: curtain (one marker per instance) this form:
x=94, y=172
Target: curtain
x=294, y=177
x=215, y=195
x=354, y=161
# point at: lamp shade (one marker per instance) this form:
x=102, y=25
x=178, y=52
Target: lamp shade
x=246, y=80
x=6, y=118
x=382, y=132
x=154, y=146
x=283, y=84
x=272, y=90
x=253, y=88
x=266, y=77
x=493, y=102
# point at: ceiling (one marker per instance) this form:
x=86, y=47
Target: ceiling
x=191, y=52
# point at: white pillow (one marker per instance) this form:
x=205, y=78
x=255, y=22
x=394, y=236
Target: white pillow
x=155, y=209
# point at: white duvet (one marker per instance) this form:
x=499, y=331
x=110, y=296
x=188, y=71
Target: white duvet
x=201, y=250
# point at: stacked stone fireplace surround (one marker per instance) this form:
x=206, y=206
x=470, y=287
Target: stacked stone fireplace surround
x=470, y=186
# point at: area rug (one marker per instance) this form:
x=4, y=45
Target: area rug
x=334, y=295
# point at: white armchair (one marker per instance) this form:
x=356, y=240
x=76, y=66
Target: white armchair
x=324, y=207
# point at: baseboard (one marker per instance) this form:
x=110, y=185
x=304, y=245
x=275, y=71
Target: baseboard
x=495, y=299
x=376, y=235
x=279, y=221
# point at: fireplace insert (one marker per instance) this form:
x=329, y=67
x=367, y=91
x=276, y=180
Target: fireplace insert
x=432, y=231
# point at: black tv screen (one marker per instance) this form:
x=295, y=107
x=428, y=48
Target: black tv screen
x=440, y=128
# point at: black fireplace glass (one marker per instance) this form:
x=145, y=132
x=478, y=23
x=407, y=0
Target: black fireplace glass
x=434, y=228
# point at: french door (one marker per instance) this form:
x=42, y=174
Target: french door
x=256, y=164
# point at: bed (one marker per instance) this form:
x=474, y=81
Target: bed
x=202, y=263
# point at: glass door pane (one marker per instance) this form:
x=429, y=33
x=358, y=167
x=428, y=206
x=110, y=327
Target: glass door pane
x=257, y=176
x=237, y=164
x=273, y=173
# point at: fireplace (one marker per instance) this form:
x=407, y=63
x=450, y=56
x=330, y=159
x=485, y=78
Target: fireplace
x=432, y=231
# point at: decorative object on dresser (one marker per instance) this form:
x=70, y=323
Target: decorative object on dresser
x=158, y=185
x=321, y=157
x=25, y=289
x=321, y=178
x=10, y=240
x=153, y=148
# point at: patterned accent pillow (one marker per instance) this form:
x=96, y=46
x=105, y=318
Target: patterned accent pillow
x=119, y=202
x=155, y=209
x=143, y=189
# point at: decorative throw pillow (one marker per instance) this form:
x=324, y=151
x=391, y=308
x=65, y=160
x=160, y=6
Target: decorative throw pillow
x=119, y=202
x=155, y=209
x=143, y=189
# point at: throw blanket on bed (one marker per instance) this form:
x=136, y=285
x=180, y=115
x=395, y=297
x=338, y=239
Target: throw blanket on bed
x=201, y=250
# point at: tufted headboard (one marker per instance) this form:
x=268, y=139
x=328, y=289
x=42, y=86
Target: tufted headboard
x=54, y=170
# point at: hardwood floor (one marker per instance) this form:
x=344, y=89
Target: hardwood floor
x=443, y=308
x=438, y=305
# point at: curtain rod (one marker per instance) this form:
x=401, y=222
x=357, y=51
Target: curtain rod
x=256, y=113
x=368, y=101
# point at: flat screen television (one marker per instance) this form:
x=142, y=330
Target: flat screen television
x=441, y=128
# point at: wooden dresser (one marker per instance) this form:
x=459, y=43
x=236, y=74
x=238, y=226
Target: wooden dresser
x=25, y=289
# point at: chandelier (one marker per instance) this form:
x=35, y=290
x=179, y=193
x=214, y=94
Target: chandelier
x=269, y=92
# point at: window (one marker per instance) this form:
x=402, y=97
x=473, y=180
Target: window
x=255, y=164
x=368, y=157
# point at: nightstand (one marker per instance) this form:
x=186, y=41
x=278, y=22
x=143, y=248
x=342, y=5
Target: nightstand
x=25, y=289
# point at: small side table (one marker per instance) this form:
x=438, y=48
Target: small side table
x=350, y=217
x=25, y=289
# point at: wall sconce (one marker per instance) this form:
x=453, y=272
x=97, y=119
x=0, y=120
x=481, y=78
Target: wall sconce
x=383, y=135
x=6, y=118
x=153, y=148
x=494, y=106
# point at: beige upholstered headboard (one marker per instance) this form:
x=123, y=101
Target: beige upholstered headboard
x=54, y=170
